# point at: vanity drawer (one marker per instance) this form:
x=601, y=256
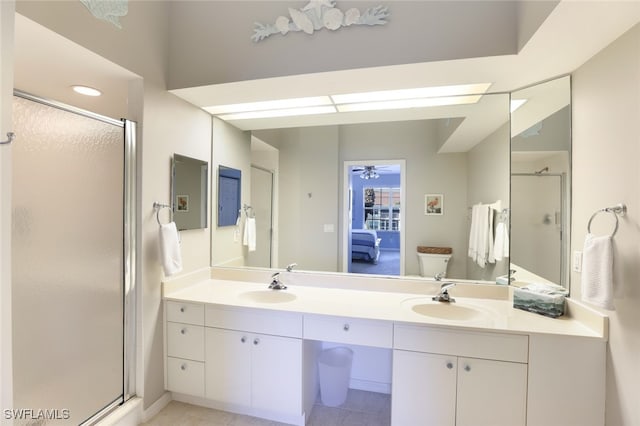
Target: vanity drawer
x=495, y=346
x=348, y=330
x=188, y=313
x=184, y=376
x=185, y=341
x=287, y=324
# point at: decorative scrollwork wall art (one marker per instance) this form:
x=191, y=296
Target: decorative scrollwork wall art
x=318, y=14
x=108, y=10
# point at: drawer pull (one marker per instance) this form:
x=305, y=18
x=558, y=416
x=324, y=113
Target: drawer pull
x=256, y=341
x=183, y=331
x=346, y=327
x=243, y=339
x=467, y=368
x=182, y=309
x=183, y=367
x=449, y=365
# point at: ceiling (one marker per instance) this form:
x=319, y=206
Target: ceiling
x=571, y=34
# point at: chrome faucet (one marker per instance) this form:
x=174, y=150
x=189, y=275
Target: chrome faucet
x=276, y=284
x=443, y=294
x=291, y=266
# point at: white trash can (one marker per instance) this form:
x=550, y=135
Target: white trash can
x=335, y=371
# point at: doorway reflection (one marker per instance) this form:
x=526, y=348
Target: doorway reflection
x=375, y=208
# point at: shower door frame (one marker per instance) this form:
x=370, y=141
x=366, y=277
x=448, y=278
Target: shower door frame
x=129, y=129
x=565, y=222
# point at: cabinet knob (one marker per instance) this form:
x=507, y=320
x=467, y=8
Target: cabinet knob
x=243, y=339
x=182, y=309
x=346, y=327
x=256, y=341
x=467, y=368
x=449, y=365
x=183, y=331
x=183, y=367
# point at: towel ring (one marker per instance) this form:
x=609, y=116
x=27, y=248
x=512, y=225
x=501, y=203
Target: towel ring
x=620, y=209
x=158, y=206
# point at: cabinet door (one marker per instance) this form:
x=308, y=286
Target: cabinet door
x=276, y=372
x=491, y=393
x=423, y=389
x=228, y=366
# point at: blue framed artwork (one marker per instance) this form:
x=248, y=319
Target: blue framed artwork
x=229, y=191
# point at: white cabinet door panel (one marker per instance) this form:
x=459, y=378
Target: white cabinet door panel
x=491, y=393
x=228, y=366
x=423, y=389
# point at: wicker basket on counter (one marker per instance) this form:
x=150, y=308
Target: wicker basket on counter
x=435, y=250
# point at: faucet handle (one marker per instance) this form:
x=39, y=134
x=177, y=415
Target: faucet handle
x=291, y=266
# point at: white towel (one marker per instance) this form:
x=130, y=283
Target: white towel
x=597, y=271
x=170, y=256
x=481, y=235
x=249, y=238
x=501, y=246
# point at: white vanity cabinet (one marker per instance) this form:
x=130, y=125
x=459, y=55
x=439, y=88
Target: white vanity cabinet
x=253, y=359
x=254, y=370
x=449, y=377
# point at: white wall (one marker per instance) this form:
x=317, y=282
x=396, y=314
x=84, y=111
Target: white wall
x=606, y=171
x=6, y=125
x=473, y=30
x=170, y=125
x=231, y=148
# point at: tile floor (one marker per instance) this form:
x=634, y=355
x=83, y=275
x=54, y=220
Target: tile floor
x=361, y=409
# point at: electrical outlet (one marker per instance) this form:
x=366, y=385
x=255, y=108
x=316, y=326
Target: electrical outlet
x=577, y=261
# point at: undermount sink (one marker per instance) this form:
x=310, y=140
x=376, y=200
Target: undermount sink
x=268, y=296
x=448, y=311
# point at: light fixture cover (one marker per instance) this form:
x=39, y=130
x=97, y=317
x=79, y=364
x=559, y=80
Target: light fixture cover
x=86, y=90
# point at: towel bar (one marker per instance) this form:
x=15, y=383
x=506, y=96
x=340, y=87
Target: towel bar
x=619, y=210
x=159, y=206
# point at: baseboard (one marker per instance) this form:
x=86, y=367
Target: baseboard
x=369, y=386
x=156, y=407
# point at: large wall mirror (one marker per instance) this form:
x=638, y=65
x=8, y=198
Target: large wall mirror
x=541, y=182
x=189, y=189
x=456, y=155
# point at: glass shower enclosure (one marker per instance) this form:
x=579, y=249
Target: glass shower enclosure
x=72, y=260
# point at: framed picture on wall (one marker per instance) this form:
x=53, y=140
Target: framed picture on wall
x=433, y=204
x=182, y=203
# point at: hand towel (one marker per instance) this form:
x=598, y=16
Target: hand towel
x=501, y=246
x=473, y=233
x=249, y=238
x=597, y=271
x=170, y=255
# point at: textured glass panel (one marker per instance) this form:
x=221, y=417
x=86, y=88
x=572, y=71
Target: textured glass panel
x=67, y=261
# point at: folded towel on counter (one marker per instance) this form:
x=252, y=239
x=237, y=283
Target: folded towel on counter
x=170, y=255
x=249, y=238
x=597, y=271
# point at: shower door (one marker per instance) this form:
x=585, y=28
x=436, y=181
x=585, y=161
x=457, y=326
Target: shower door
x=537, y=224
x=70, y=260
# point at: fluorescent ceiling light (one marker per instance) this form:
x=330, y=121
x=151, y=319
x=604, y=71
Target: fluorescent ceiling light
x=517, y=103
x=280, y=104
x=423, y=92
x=86, y=90
x=278, y=113
x=409, y=103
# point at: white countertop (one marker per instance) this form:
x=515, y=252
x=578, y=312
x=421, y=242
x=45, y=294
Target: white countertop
x=497, y=315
